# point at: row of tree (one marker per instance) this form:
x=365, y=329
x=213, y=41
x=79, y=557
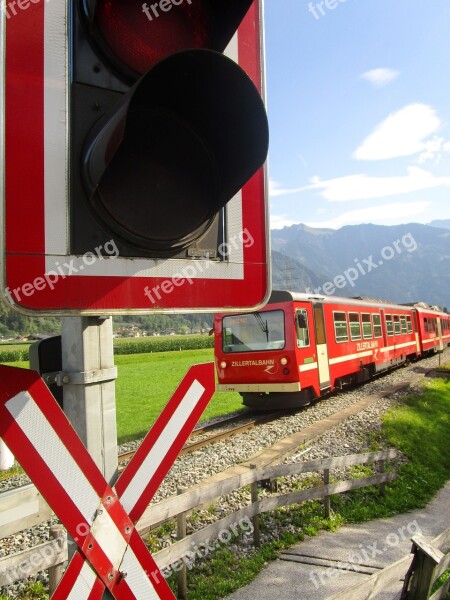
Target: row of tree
x=14, y=324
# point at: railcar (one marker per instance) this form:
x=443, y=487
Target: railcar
x=433, y=328
x=300, y=347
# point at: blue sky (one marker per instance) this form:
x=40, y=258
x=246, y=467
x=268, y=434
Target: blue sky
x=358, y=98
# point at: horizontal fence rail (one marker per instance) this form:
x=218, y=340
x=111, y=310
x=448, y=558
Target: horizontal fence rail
x=52, y=554
x=22, y=508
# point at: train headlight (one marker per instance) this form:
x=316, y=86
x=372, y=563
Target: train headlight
x=223, y=365
x=284, y=361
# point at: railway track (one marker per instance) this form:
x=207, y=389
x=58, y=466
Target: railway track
x=254, y=419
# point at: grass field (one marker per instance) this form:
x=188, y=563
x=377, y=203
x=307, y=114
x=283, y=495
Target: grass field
x=12, y=346
x=146, y=382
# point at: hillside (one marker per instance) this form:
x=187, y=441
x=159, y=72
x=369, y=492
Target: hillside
x=443, y=223
x=415, y=266
x=404, y=263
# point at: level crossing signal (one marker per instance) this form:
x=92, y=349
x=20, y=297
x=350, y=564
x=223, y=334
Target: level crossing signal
x=100, y=516
x=145, y=186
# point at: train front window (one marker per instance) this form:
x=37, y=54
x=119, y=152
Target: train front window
x=302, y=328
x=254, y=332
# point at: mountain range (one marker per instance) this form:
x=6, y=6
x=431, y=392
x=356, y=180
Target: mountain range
x=402, y=263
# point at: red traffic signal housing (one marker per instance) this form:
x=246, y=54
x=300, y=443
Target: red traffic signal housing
x=147, y=137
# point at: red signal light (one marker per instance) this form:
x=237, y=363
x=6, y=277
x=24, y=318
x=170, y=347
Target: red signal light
x=138, y=35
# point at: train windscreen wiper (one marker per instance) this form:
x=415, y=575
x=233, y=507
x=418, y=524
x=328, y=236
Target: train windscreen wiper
x=263, y=326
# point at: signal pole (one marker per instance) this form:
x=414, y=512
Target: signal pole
x=89, y=387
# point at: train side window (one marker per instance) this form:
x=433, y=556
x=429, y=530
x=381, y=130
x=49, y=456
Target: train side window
x=355, y=326
x=409, y=324
x=302, y=328
x=389, y=325
x=367, y=326
x=340, y=327
x=377, y=326
x=403, y=324
x=397, y=327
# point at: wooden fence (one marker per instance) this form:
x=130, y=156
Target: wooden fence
x=52, y=554
x=428, y=564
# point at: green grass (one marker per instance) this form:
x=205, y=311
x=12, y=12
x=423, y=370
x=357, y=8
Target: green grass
x=14, y=345
x=145, y=383
x=33, y=591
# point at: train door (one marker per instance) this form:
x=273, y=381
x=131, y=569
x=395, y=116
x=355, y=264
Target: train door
x=383, y=328
x=321, y=344
x=439, y=333
x=416, y=325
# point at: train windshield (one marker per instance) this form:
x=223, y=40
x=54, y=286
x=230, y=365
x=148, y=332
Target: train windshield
x=254, y=332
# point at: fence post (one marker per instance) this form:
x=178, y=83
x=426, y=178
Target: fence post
x=382, y=485
x=181, y=534
x=420, y=577
x=58, y=533
x=326, y=500
x=255, y=519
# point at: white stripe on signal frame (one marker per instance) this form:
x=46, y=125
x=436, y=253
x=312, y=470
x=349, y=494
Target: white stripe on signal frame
x=56, y=148
x=140, y=585
x=83, y=584
x=49, y=447
x=155, y=457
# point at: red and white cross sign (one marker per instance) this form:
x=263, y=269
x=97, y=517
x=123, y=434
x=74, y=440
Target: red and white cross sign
x=101, y=519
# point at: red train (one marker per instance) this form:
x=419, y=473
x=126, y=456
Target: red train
x=300, y=346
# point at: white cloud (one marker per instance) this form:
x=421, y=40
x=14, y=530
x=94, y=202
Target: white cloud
x=275, y=188
x=389, y=213
x=380, y=77
x=434, y=149
x=280, y=221
x=364, y=187
x=402, y=133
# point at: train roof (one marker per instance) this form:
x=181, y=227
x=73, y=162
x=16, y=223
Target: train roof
x=287, y=296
